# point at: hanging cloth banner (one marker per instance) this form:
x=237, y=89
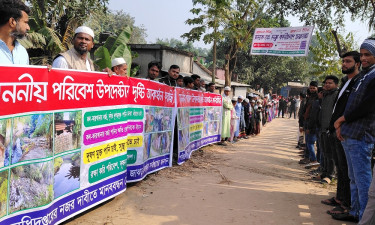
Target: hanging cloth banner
x=198, y=121
x=282, y=41
x=70, y=140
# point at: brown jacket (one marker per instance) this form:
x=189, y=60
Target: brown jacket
x=74, y=60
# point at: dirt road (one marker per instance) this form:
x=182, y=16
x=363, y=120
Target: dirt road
x=255, y=181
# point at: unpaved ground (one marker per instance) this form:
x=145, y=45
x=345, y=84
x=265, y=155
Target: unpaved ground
x=255, y=181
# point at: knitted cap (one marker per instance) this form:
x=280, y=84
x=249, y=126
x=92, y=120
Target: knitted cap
x=369, y=45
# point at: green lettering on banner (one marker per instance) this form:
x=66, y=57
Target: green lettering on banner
x=196, y=136
x=286, y=52
x=260, y=51
x=107, y=168
x=96, y=118
x=196, y=111
x=132, y=156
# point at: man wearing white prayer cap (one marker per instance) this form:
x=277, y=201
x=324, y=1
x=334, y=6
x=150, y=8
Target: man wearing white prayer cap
x=120, y=67
x=226, y=116
x=77, y=58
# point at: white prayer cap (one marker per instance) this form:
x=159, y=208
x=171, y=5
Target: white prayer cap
x=86, y=30
x=246, y=100
x=118, y=61
x=252, y=101
x=251, y=95
x=240, y=97
x=227, y=88
x=235, y=99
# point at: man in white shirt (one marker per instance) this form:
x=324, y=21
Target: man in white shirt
x=77, y=58
x=14, y=25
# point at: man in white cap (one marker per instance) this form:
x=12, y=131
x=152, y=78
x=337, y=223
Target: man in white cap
x=120, y=67
x=227, y=107
x=77, y=58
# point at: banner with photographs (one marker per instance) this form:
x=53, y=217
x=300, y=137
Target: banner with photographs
x=282, y=41
x=70, y=140
x=198, y=121
x=158, y=106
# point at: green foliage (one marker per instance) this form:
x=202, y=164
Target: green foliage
x=103, y=58
x=57, y=164
x=44, y=128
x=52, y=24
x=115, y=47
x=184, y=46
x=115, y=22
x=3, y=127
x=3, y=187
x=76, y=156
x=324, y=58
x=50, y=192
x=3, y=190
x=59, y=116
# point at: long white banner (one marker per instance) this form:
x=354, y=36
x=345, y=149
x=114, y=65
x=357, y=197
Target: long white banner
x=282, y=41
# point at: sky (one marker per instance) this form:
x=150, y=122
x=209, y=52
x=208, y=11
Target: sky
x=166, y=19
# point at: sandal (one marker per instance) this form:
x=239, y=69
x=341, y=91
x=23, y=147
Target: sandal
x=338, y=210
x=326, y=180
x=331, y=201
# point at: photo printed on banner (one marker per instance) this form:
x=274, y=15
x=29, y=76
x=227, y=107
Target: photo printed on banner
x=68, y=131
x=66, y=173
x=5, y=145
x=31, y=185
x=32, y=137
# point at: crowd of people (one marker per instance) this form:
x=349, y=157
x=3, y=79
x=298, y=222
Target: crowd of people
x=340, y=122
x=243, y=117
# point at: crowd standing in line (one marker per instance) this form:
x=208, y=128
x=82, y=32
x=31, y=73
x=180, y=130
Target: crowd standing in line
x=340, y=122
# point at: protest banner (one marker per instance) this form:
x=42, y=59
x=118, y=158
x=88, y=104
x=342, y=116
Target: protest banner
x=70, y=140
x=282, y=41
x=198, y=121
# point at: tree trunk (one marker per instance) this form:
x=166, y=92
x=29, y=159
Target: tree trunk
x=227, y=75
x=214, y=62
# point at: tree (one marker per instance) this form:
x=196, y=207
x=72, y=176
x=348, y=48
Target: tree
x=328, y=15
x=115, y=22
x=323, y=55
x=115, y=47
x=185, y=46
x=52, y=24
x=211, y=16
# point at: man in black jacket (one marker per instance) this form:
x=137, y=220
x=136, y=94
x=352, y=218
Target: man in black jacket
x=310, y=124
x=350, y=66
x=171, y=78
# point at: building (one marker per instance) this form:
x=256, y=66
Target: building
x=168, y=56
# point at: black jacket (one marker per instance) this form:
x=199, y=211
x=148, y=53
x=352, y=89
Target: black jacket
x=168, y=80
x=341, y=102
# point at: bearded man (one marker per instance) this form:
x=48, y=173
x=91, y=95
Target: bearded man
x=14, y=25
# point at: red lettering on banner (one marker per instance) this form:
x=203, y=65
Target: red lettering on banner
x=263, y=45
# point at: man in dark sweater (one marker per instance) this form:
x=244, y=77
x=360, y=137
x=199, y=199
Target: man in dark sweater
x=329, y=96
x=356, y=130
